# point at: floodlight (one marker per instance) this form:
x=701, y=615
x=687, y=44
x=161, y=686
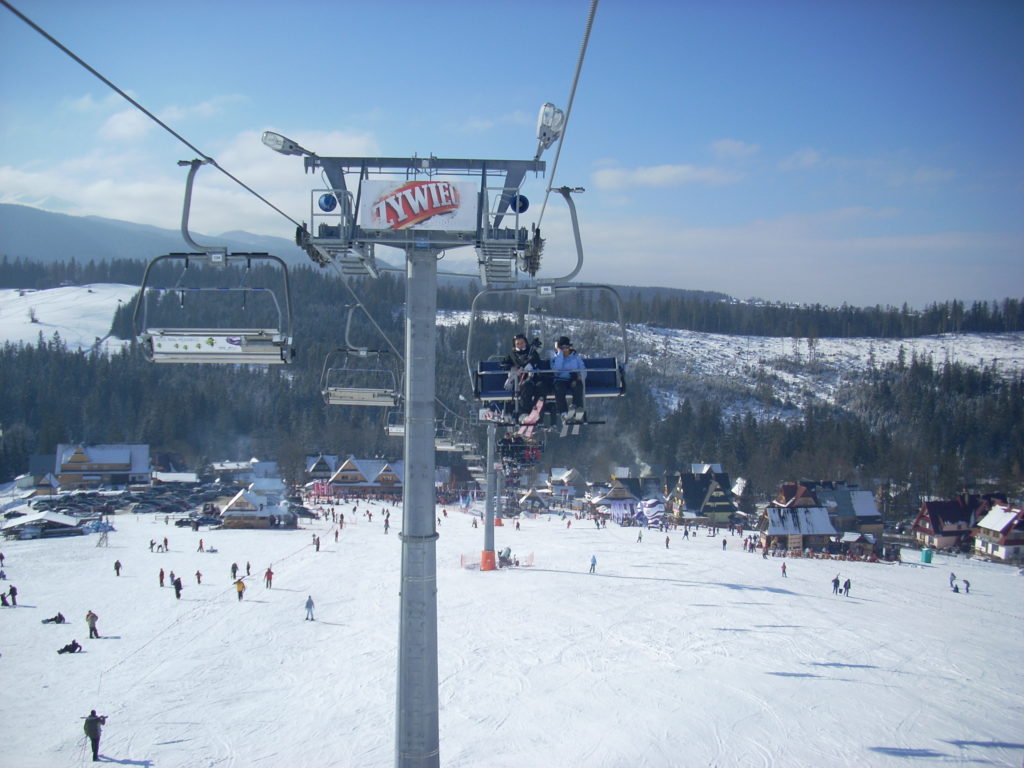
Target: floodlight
x=283, y=144
x=550, y=123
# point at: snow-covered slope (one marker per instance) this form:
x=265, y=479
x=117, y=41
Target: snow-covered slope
x=689, y=655
x=82, y=315
x=769, y=377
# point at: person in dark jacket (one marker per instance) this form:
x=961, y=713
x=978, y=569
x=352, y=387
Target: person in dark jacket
x=13, y=594
x=521, y=363
x=72, y=647
x=93, y=728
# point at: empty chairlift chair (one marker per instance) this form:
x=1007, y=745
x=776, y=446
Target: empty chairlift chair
x=266, y=345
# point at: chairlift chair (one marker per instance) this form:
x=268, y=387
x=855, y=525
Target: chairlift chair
x=605, y=375
x=394, y=425
x=266, y=346
x=361, y=379
x=254, y=345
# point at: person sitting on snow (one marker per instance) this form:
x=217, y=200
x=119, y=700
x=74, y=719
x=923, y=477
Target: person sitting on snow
x=72, y=647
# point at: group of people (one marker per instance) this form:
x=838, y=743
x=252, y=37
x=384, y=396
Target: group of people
x=843, y=590
x=566, y=380
x=956, y=587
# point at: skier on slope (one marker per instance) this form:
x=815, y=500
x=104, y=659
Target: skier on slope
x=93, y=729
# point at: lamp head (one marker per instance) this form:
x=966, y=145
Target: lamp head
x=283, y=144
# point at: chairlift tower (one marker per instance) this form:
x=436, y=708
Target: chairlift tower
x=423, y=207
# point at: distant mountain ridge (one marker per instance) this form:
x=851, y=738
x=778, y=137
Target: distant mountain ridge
x=46, y=237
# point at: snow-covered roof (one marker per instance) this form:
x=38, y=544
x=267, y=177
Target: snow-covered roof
x=864, y=504
x=176, y=477
x=136, y=456
x=331, y=460
x=999, y=519
x=799, y=521
x=40, y=517
x=852, y=537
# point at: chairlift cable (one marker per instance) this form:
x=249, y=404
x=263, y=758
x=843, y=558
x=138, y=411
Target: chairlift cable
x=211, y=161
x=568, y=106
x=206, y=158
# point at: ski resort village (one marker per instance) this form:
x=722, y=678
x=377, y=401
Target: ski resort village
x=532, y=386
x=632, y=620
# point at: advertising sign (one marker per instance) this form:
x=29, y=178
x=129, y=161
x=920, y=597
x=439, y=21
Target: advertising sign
x=429, y=204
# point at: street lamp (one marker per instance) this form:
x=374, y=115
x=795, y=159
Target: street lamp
x=550, y=124
x=284, y=145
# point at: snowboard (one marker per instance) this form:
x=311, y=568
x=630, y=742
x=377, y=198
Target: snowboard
x=532, y=418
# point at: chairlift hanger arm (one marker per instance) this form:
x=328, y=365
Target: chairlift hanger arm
x=194, y=166
x=220, y=259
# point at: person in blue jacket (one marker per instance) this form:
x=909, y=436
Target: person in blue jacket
x=569, y=373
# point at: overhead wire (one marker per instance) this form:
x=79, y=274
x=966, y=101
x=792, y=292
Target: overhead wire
x=213, y=162
x=206, y=158
x=568, y=106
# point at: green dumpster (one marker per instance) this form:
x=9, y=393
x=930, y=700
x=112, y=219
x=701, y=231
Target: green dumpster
x=926, y=555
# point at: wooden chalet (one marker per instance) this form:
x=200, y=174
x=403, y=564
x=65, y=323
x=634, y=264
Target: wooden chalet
x=850, y=509
x=95, y=466
x=703, y=494
x=566, y=485
x=949, y=524
x=532, y=501
x=999, y=535
x=796, y=528
x=618, y=502
x=320, y=467
x=367, y=478
x=250, y=509
x=35, y=525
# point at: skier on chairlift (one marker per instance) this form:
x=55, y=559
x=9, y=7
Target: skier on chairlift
x=568, y=378
x=521, y=363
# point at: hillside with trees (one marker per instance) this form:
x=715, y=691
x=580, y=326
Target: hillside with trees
x=918, y=425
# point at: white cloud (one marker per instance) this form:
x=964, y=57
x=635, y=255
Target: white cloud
x=127, y=125
x=204, y=109
x=804, y=158
x=481, y=124
x=107, y=183
x=733, y=148
x=830, y=257
x=661, y=176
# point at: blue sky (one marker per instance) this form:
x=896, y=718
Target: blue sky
x=861, y=152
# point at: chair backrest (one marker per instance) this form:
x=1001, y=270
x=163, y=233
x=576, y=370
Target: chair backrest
x=605, y=378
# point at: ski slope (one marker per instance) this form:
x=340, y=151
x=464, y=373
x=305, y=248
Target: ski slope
x=680, y=656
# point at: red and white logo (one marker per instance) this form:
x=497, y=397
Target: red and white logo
x=414, y=203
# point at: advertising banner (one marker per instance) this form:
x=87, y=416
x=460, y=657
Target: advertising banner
x=430, y=204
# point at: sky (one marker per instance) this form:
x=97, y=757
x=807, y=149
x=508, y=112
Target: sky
x=689, y=654
x=844, y=152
